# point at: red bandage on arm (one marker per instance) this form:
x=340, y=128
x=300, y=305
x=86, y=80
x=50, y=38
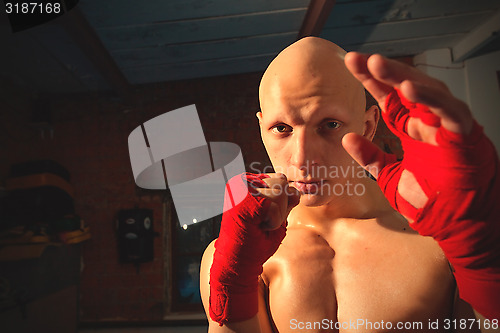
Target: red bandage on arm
x=240, y=251
x=461, y=178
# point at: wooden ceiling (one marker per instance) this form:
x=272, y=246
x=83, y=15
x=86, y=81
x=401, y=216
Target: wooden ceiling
x=116, y=44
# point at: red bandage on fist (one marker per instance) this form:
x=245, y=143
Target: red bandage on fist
x=240, y=251
x=461, y=178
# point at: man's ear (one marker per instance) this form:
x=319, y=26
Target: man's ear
x=259, y=116
x=372, y=116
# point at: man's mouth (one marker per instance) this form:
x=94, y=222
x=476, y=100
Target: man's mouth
x=307, y=186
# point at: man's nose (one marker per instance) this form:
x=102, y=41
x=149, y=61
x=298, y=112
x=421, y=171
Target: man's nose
x=304, y=151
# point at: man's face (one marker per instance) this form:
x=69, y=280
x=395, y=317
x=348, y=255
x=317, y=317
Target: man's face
x=302, y=124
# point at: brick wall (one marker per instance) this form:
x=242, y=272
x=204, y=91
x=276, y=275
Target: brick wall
x=90, y=139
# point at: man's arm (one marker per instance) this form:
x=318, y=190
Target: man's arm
x=253, y=225
x=258, y=324
x=448, y=183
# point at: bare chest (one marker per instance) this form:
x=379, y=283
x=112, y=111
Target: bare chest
x=357, y=282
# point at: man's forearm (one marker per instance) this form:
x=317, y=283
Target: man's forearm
x=461, y=178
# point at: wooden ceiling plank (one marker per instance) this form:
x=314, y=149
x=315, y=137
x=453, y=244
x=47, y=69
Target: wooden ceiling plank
x=154, y=35
x=477, y=38
x=388, y=31
x=227, y=48
x=316, y=17
x=112, y=13
x=405, y=47
x=85, y=37
x=190, y=70
x=377, y=11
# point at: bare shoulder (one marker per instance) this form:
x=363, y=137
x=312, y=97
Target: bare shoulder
x=398, y=234
x=206, y=263
x=395, y=226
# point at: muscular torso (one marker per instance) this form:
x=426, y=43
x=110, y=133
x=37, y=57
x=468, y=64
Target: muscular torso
x=359, y=275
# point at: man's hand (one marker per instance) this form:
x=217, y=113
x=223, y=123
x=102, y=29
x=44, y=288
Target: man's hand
x=380, y=76
x=448, y=182
x=251, y=232
x=283, y=198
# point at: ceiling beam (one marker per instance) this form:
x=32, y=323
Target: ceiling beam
x=477, y=39
x=315, y=18
x=82, y=33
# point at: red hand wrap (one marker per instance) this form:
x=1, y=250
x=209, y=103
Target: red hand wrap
x=461, y=177
x=240, y=251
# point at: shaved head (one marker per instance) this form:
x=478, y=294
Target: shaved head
x=312, y=63
x=309, y=100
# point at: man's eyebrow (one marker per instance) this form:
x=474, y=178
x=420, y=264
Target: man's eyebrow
x=278, y=117
x=331, y=118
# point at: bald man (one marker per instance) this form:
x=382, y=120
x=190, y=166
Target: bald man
x=349, y=260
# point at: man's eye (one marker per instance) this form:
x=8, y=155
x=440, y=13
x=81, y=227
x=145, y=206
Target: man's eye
x=332, y=125
x=280, y=129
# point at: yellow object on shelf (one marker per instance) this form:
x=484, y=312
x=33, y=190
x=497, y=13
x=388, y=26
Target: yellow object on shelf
x=23, y=251
x=76, y=236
